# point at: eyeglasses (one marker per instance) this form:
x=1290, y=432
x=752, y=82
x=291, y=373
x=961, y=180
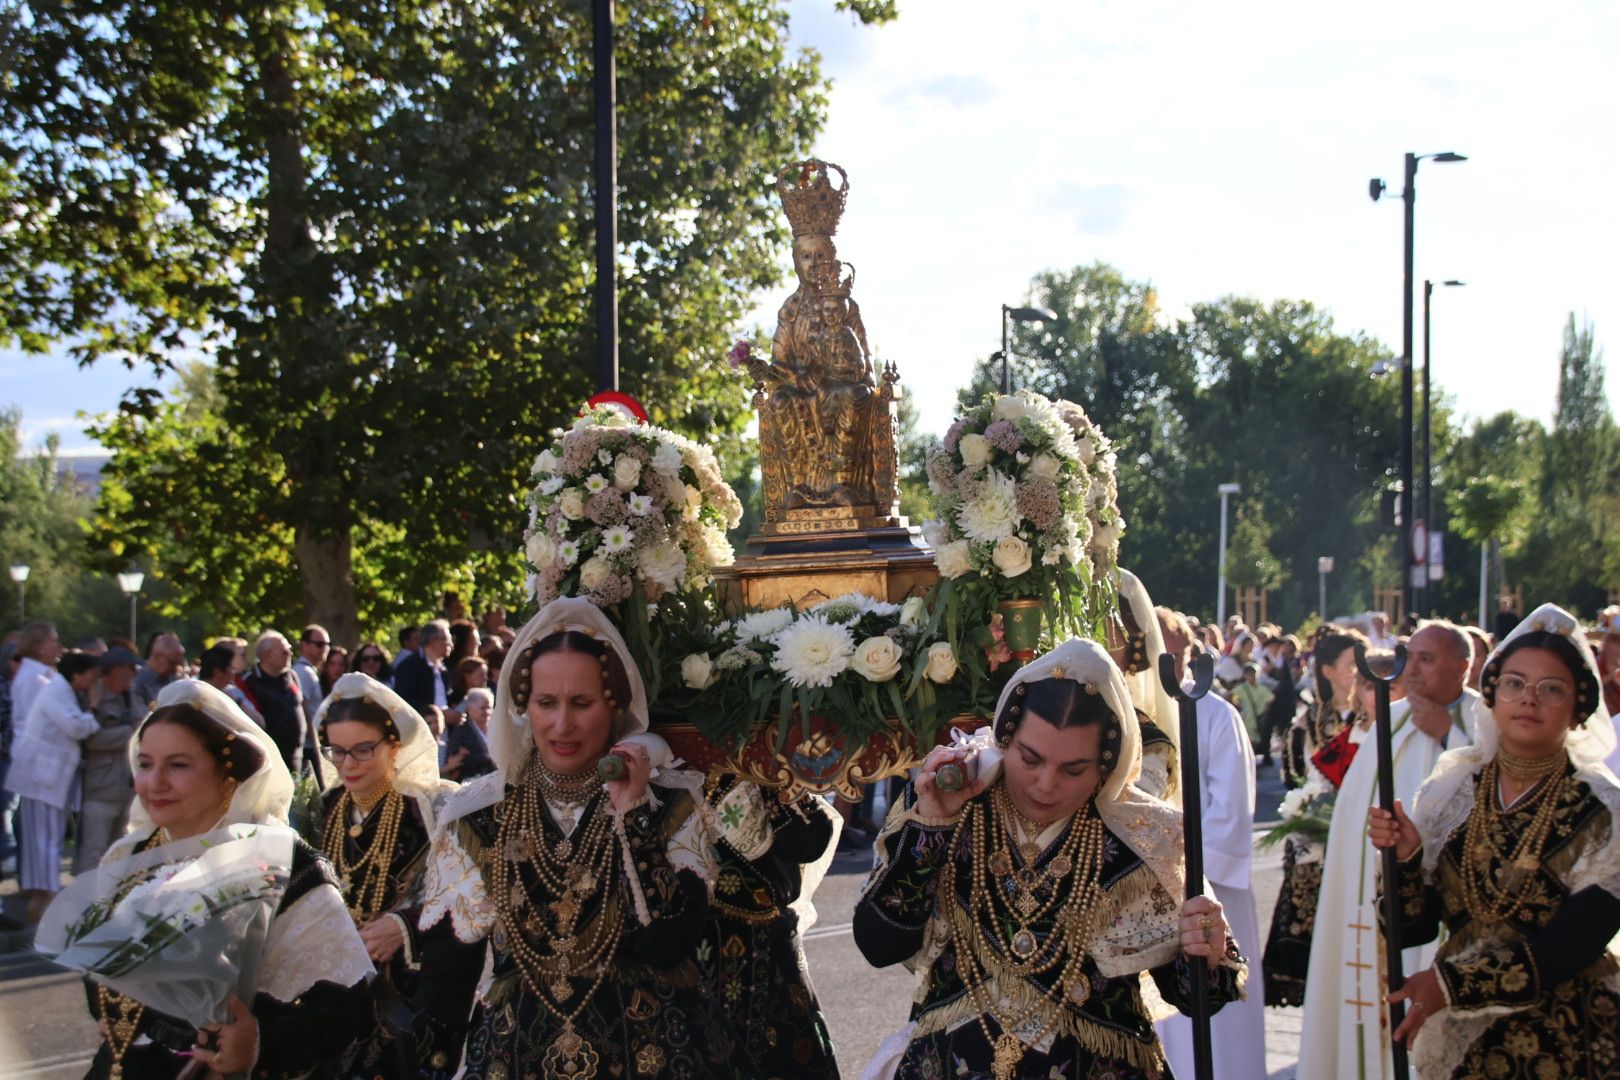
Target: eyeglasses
x=359, y=751
x=315, y=641
x=371, y=658
x=1552, y=692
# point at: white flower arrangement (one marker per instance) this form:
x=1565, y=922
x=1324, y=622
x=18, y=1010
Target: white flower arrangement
x=619, y=507
x=863, y=661
x=1028, y=505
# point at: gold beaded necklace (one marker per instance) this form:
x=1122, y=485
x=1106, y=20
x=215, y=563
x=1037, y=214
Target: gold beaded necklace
x=1008, y=915
x=545, y=937
x=1487, y=899
x=123, y=1019
x=1527, y=770
x=364, y=881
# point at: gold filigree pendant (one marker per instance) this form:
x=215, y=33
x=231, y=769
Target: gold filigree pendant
x=1024, y=943
x=1009, y=1052
x=570, y=1057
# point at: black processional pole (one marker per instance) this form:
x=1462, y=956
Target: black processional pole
x=1192, y=824
x=607, y=196
x=1391, y=864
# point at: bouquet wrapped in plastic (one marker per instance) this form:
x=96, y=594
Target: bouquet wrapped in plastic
x=179, y=928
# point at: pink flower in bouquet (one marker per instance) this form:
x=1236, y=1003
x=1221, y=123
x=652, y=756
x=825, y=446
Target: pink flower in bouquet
x=739, y=354
x=1003, y=436
x=997, y=653
x=953, y=435
x=606, y=508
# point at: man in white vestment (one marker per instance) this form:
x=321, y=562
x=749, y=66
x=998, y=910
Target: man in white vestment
x=1226, y=793
x=1345, y=1038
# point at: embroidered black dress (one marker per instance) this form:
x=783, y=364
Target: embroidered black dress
x=650, y=1018
x=1548, y=961
x=1293, y=920
x=296, y=1038
x=1107, y=1034
x=751, y=958
x=389, y=1047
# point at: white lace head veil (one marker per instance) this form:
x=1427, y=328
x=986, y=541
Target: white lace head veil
x=416, y=765
x=1147, y=692
x=1147, y=826
x=510, y=738
x=1447, y=793
x=263, y=797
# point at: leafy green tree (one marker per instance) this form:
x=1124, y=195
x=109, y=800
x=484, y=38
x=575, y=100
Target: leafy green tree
x=42, y=511
x=1249, y=561
x=376, y=221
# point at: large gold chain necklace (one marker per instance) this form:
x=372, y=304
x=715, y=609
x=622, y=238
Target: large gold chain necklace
x=1005, y=909
x=1487, y=899
x=364, y=881
x=546, y=938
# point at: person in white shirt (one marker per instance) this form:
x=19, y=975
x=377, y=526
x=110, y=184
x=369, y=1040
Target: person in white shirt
x=1344, y=1008
x=45, y=772
x=1226, y=797
x=40, y=649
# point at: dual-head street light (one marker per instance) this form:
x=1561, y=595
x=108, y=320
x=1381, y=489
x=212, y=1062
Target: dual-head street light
x=1377, y=189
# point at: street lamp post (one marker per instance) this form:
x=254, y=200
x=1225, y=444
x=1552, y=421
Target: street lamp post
x=1428, y=464
x=1376, y=189
x=1226, y=492
x=19, y=574
x=1017, y=314
x=606, y=171
x=1324, y=567
x=130, y=582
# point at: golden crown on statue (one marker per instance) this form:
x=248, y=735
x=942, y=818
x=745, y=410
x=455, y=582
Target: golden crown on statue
x=813, y=205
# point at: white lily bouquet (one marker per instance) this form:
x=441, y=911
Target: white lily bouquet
x=179, y=928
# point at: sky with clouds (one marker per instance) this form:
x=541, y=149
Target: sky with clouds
x=1211, y=149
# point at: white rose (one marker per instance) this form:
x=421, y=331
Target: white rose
x=1044, y=466
x=975, y=450
x=595, y=571
x=1011, y=556
x=1008, y=407
x=941, y=666
x=952, y=559
x=626, y=472
x=547, y=462
x=912, y=611
x=541, y=550
x=697, y=671
x=572, y=504
x=877, y=659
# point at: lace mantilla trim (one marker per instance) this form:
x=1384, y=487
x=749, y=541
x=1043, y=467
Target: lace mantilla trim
x=313, y=941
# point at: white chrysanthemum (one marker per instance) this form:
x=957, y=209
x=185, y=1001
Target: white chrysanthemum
x=667, y=458
x=617, y=539
x=595, y=482
x=812, y=651
x=551, y=485
x=604, y=457
x=762, y=625
x=992, y=513
x=855, y=604
x=641, y=505
x=568, y=552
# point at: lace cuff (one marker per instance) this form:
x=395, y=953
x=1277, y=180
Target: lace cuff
x=313, y=941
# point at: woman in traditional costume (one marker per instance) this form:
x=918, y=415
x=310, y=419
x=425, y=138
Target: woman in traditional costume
x=1031, y=902
x=1509, y=847
x=1288, y=947
x=594, y=897
x=379, y=814
x=754, y=964
x=200, y=765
